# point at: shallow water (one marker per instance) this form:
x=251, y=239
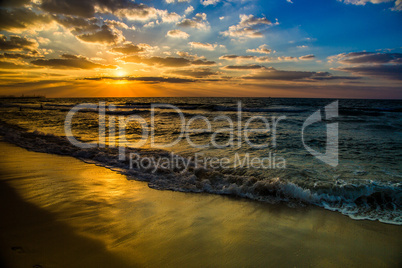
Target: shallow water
x=367, y=183
x=153, y=228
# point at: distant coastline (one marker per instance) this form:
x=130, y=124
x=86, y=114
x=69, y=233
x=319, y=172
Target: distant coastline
x=23, y=97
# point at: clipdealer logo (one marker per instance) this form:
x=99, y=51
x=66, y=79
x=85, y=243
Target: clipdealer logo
x=331, y=154
x=236, y=129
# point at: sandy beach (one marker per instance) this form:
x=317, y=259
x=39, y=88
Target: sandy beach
x=61, y=212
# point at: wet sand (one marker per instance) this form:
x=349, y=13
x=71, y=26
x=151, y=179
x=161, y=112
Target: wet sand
x=60, y=212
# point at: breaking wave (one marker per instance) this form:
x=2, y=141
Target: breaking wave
x=370, y=200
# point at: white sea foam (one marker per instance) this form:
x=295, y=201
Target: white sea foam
x=372, y=200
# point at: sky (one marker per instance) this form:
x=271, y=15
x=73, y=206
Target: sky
x=190, y=48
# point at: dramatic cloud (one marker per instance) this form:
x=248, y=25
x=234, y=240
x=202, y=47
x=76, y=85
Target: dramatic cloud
x=89, y=30
x=121, y=8
x=111, y=34
x=245, y=58
x=393, y=72
x=70, y=62
x=274, y=74
x=79, y=25
x=384, y=65
x=209, y=2
x=16, y=56
x=307, y=57
x=144, y=13
x=21, y=19
x=129, y=48
x=363, y=2
x=167, y=62
x=236, y=57
x=196, y=73
x=105, y=35
x=199, y=21
x=149, y=79
x=168, y=17
x=249, y=27
x=17, y=43
x=397, y=6
x=180, y=1
x=263, y=49
x=203, y=62
x=12, y=65
x=244, y=67
x=70, y=7
x=14, y=3
x=178, y=34
x=287, y=58
x=187, y=55
x=367, y=58
x=328, y=76
x=119, y=24
x=206, y=46
x=189, y=10
x=88, y=8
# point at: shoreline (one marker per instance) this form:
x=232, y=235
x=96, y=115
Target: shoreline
x=178, y=179
x=58, y=208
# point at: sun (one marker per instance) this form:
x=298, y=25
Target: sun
x=121, y=73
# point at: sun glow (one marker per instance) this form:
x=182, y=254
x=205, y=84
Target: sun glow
x=120, y=73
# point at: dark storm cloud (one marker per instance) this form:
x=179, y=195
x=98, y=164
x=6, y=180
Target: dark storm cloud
x=20, y=18
x=167, y=62
x=70, y=62
x=17, y=43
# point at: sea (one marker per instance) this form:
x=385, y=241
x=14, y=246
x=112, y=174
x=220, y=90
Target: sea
x=342, y=155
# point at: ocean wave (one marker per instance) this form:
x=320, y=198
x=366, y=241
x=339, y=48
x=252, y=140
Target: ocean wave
x=131, y=108
x=372, y=200
x=360, y=111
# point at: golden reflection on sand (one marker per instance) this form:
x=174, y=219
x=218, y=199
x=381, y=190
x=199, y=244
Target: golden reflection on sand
x=150, y=227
